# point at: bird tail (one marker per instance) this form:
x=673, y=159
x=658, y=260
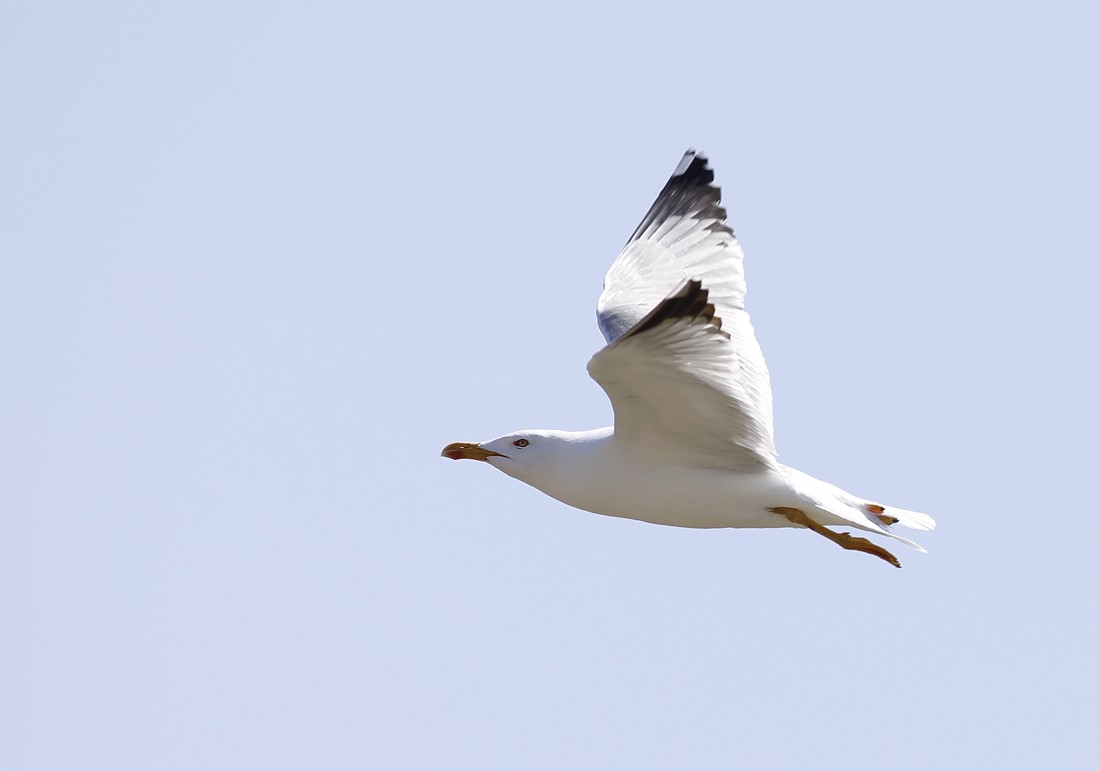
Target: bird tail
x=843, y=509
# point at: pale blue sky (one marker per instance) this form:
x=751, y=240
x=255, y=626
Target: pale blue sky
x=259, y=262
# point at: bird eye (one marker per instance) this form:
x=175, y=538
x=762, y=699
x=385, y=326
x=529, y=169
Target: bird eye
x=521, y=443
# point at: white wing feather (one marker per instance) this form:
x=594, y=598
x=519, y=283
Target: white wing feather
x=668, y=379
x=706, y=394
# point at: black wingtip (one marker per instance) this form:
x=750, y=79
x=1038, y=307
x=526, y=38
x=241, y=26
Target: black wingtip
x=689, y=191
x=689, y=302
x=693, y=170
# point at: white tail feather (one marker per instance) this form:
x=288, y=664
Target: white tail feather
x=911, y=519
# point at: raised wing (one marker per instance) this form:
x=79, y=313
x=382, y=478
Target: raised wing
x=669, y=381
x=684, y=237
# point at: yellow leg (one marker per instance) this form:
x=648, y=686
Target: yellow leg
x=844, y=540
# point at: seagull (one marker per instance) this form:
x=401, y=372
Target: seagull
x=692, y=442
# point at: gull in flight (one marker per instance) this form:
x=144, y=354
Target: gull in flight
x=692, y=442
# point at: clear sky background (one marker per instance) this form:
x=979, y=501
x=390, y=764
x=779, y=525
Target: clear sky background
x=259, y=262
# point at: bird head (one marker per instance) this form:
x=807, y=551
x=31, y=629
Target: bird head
x=523, y=455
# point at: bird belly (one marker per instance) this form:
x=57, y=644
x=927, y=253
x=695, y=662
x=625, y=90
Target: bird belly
x=684, y=497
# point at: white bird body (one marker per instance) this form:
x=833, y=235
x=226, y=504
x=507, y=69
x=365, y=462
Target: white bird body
x=589, y=470
x=600, y=475
x=692, y=443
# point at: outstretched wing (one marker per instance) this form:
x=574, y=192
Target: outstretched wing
x=682, y=366
x=670, y=382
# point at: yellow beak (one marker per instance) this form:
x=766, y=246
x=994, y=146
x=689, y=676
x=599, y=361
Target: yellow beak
x=468, y=451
